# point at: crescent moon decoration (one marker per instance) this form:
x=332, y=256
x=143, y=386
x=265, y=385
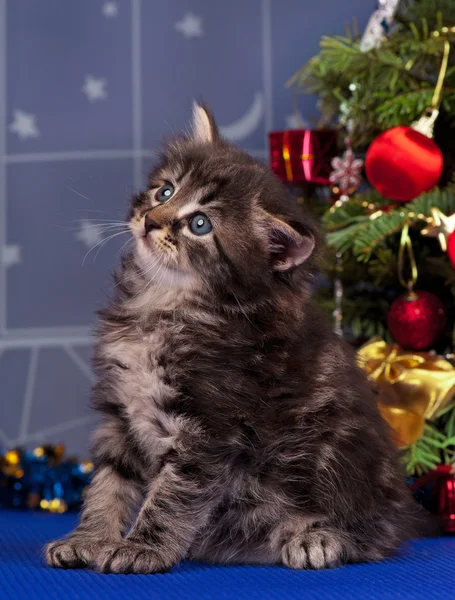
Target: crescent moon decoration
x=243, y=127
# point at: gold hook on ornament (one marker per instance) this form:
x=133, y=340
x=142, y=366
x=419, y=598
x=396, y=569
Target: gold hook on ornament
x=425, y=124
x=406, y=245
x=436, y=101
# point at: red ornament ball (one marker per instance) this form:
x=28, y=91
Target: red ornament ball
x=402, y=163
x=451, y=248
x=416, y=319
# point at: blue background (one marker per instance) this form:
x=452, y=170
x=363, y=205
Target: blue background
x=84, y=158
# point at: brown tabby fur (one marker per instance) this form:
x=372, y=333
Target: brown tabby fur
x=233, y=418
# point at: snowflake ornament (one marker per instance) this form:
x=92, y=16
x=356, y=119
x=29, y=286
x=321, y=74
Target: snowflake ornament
x=346, y=171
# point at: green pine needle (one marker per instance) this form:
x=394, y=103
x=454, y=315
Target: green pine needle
x=351, y=228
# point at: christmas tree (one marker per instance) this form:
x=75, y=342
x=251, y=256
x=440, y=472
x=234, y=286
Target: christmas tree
x=390, y=223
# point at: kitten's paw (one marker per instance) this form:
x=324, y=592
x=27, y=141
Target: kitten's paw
x=71, y=553
x=315, y=549
x=129, y=557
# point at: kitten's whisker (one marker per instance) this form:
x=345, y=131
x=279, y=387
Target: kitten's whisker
x=103, y=241
x=78, y=193
x=101, y=224
x=112, y=227
x=154, y=263
x=157, y=261
x=134, y=276
x=100, y=228
x=99, y=220
x=127, y=242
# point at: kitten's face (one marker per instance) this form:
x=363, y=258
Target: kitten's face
x=210, y=217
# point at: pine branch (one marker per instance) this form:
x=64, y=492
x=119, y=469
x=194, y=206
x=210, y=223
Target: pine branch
x=440, y=266
x=364, y=312
x=428, y=10
x=382, y=269
x=393, y=83
x=426, y=453
x=353, y=231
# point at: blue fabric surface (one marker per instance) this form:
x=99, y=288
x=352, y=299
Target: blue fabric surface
x=424, y=570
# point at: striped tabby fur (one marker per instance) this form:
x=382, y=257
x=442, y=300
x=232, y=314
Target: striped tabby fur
x=236, y=426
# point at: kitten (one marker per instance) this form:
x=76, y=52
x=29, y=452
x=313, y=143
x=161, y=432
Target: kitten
x=236, y=425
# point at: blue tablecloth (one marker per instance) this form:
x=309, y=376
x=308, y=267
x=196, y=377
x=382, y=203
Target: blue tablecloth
x=426, y=569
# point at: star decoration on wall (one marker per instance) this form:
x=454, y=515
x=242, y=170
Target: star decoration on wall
x=110, y=9
x=190, y=26
x=11, y=255
x=95, y=88
x=24, y=125
x=442, y=227
x=89, y=233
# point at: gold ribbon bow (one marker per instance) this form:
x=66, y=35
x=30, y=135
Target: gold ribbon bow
x=412, y=387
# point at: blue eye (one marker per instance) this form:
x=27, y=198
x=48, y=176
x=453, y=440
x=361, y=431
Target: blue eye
x=165, y=192
x=200, y=224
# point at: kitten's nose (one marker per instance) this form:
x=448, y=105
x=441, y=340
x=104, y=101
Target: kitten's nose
x=150, y=224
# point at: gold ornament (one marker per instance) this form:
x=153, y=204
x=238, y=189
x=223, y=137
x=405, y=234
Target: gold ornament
x=412, y=387
x=441, y=227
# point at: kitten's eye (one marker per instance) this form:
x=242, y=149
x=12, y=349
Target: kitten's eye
x=165, y=192
x=200, y=224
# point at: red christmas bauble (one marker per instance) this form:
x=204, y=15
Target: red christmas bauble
x=451, y=248
x=416, y=319
x=402, y=163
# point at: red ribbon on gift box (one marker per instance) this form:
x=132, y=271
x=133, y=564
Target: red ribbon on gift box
x=307, y=155
x=303, y=154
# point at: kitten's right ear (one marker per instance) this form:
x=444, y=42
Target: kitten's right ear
x=204, y=127
x=287, y=247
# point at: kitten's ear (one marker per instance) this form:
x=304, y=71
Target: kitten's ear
x=288, y=247
x=204, y=127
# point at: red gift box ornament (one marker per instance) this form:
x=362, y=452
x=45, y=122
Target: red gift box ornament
x=442, y=489
x=303, y=155
x=444, y=493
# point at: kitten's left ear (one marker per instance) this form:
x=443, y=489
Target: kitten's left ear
x=204, y=127
x=288, y=247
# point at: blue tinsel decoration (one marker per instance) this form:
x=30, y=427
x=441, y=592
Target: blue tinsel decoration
x=42, y=479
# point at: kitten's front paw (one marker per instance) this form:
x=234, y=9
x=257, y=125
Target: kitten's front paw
x=315, y=549
x=72, y=553
x=129, y=557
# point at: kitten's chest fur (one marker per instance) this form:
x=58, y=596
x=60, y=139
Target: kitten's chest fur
x=136, y=361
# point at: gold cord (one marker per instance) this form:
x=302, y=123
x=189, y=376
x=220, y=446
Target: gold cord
x=406, y=245
x=436, y=101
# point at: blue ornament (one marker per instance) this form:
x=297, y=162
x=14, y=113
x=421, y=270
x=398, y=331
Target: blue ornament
x=42, y=479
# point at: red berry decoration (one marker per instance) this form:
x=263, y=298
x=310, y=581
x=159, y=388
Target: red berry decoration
x=402, y=163
x=416, y=319
x=451, y=248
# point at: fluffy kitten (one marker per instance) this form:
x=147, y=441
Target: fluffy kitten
x=233, y=418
